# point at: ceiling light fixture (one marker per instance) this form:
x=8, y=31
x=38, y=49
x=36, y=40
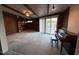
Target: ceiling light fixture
x=27, y=13
x=53, y=7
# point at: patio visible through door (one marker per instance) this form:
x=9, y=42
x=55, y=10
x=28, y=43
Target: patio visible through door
x=51, y=24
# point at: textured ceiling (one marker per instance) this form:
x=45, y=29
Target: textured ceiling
x=36, y=9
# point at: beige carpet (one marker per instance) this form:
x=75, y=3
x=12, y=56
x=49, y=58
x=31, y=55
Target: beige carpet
x=30, y=43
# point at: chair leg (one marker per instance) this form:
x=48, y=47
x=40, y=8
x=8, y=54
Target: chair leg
x=51, y=43
x=61, y=48
x=57, y=43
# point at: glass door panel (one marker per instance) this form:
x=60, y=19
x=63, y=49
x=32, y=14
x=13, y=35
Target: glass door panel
x=48, y=25
x=51, y=24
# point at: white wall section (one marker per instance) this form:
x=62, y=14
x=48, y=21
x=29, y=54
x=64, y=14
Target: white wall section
x=3, y=38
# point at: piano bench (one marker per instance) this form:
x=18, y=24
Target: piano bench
x=54, y=39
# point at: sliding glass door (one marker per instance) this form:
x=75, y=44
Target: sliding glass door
x=51, y=24
x=48, y=25
x=42, y=25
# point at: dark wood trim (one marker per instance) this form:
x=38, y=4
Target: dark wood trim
x=54, y=14
x=50, y=15
x=12, y=9
x=47, y=9
x=30, y=9
x=19, y=17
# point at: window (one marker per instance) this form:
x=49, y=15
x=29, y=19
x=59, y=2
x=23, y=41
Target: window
x=29, y=21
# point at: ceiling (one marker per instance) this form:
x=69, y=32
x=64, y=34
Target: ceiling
x=37, y=10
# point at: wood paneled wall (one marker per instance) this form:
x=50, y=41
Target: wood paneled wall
x=10, y=22
x=63, y=19
x=32, y=26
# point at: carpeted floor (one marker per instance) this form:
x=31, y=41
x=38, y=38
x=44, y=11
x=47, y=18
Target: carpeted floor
x=31, y=43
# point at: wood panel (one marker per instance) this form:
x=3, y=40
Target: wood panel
x=32, y=26
x=63, y=19
x=10, y=23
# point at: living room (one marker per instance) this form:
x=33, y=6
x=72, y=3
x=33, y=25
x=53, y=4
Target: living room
x=25, y=34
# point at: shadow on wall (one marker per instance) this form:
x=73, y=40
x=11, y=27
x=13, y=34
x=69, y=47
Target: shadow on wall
x=0, y=47
x=77, y=46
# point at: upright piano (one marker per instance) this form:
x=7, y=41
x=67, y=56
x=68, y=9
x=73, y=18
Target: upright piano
x=68, y=41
